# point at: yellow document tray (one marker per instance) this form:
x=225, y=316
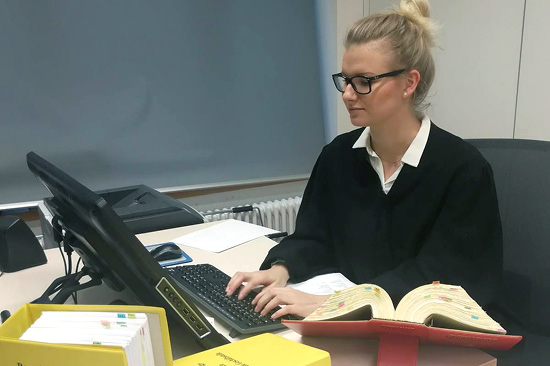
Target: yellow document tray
x=17, y=352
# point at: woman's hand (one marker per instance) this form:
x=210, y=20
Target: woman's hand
x=276, y=276
x=274, y=293
x=296, y=302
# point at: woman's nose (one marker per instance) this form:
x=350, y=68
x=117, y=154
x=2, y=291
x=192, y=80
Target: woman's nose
x=349, y=93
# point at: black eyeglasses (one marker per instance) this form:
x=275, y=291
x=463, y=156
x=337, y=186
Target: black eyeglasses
x=361, y=84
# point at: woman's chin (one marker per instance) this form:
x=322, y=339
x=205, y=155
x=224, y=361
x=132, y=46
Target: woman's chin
x=359, y=122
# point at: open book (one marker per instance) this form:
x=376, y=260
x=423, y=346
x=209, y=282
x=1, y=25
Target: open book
x=430, y=314
x=437, y=305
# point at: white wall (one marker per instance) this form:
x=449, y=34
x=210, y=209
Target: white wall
x=477, y=66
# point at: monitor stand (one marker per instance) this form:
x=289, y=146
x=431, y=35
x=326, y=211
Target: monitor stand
x=63, y=287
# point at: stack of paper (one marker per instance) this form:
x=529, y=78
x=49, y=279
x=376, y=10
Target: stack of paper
x=223, y=236
x=127, y=330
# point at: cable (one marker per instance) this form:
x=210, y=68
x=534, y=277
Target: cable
x=70, y=262
x=245, y=208
x=58, y=238
x=62, y=257
x=259, y=215
x=75, y=297
x=280, y=234
x=235, y=210
x=249, y=208
x=78, y=264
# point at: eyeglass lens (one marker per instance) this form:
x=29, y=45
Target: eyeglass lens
x=360, y=84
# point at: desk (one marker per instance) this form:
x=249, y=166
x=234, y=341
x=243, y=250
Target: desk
x=26, y=285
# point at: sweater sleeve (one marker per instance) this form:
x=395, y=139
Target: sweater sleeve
x=308, y=251
x=464, y=246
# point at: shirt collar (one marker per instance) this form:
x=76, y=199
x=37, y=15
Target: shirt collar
x=414, y=152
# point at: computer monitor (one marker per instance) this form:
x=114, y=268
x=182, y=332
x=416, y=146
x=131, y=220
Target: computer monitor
x=111, y=252
x=143, y=209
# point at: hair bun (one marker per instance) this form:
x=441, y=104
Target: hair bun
x=415, y=8
x=418, y=13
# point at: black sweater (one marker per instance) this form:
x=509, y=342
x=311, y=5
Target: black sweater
x=440, y=220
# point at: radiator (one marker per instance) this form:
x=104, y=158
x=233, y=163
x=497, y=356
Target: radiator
x=278, y=214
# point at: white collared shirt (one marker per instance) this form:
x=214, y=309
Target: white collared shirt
x=411, y=157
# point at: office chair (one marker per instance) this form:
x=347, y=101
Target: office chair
x=522, y=179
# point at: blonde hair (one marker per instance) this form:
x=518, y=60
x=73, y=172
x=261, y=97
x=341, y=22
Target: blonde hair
x=410, y=34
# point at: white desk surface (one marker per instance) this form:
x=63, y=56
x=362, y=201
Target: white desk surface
x=26, y=285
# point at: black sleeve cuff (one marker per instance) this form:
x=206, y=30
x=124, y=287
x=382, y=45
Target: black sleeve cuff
x=278, y=261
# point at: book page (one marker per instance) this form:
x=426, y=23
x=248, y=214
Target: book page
x=445, y=306
x=361, y=302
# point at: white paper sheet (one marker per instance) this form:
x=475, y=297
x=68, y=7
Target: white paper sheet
x=222, y=236
x=323, y=284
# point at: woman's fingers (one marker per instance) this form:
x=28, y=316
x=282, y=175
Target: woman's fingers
x=296, y=302
x=275, y=301
x=245, y=290
x=283, y=311
x=275, y=276
x=272, y=297
x=236, y=281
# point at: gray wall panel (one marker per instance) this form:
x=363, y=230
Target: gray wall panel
x=533, y=121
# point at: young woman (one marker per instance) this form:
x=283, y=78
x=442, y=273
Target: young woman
x=399, y=202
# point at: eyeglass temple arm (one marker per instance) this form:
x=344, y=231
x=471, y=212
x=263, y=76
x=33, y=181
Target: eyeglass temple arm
x=392, y=73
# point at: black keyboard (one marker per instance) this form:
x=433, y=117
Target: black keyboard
x=206, y=284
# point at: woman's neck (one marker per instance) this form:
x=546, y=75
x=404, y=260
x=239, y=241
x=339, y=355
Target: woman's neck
x=391, y=139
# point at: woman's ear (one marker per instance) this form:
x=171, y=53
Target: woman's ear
x=412, y=80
